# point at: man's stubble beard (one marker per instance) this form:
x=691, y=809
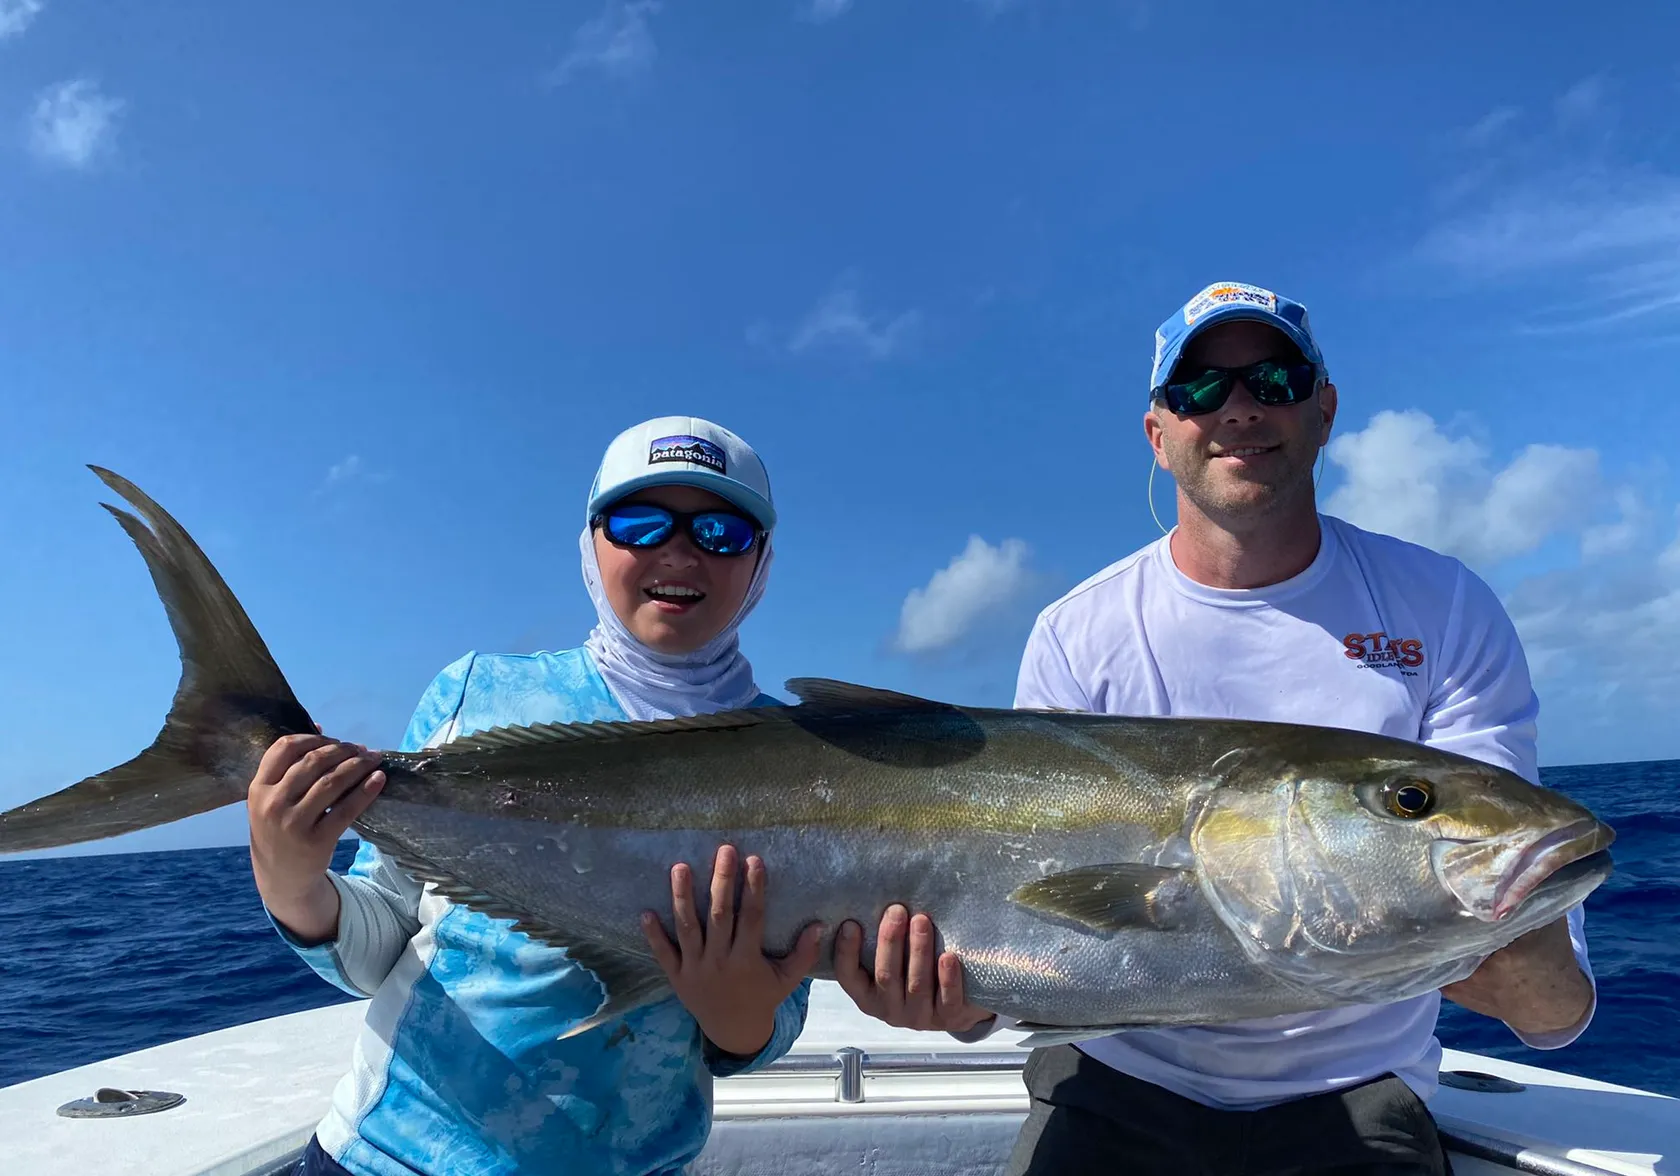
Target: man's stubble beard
x=1246, y=511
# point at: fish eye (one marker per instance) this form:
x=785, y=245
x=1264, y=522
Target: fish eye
x=1409, y=799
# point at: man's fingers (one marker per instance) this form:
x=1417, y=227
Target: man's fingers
x=889, y=946
x=951, y=995
x=889, y=959
x=919, y=979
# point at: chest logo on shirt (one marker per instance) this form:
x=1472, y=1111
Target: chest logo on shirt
x=1379, y=651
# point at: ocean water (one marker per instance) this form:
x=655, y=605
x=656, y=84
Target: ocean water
x=102, y=955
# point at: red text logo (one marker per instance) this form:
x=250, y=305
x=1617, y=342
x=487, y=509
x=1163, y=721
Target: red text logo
x=1379, y=651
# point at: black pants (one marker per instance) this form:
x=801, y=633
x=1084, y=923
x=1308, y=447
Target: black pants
x=315, y=1162
x=1087, y=1118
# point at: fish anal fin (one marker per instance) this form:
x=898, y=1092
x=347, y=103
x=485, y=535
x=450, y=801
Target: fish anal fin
x=628, y=980
x=1122, y=896
x=1040, y=1036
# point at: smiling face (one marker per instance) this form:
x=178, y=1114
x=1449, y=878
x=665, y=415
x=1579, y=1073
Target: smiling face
x=675, y=597
x=1246, y=459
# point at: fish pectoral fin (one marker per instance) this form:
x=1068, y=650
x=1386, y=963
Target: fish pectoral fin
x=1120, y=896
x=1040, y=1036
x=828, y=692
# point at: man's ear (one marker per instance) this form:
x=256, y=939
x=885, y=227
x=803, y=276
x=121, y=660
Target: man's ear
x=1152, y=433
x=1327, y=407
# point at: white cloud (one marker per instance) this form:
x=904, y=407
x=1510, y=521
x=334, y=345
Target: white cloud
x=1591, y=235
x=977, y=585
x=1583, y=102
x=1490, y=126
x=17, y=15
x=72, y=123
x=1599, y=639
x=838, y=319
x=1608, y=539
x=822, y=11
x=616, y=43
x=350, y=469
x=1598, y=624
x=1582, y=220
x=1406, y=478
x=345, y=470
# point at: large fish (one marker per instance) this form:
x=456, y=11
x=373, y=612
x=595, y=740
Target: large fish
x=1091, y=871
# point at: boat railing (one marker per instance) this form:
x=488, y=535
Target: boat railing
x=850, y=1064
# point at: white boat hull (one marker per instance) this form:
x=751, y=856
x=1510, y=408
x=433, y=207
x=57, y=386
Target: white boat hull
x=913, y=1104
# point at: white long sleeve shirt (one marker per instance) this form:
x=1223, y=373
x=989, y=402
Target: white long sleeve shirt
x=1376, y=635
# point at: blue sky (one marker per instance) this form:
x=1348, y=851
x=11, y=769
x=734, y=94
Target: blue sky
x=360, y=292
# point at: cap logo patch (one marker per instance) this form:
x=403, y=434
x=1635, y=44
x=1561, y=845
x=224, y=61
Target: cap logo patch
x=697, y=450
x=1228, y=294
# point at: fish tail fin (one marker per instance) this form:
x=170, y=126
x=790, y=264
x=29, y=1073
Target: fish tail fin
x=232, y=702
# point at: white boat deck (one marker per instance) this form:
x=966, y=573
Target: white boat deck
x=254, y=1093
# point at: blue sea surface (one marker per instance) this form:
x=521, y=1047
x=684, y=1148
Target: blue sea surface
x=103, y=955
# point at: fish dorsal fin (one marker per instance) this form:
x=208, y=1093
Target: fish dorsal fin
x=514, y=737
x=628, y=981
x=1125, y=896
x=827, y=692
x=540, y=733
x=1039, y=1036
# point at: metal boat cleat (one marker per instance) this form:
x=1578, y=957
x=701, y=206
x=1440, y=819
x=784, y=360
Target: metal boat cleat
x=110, y=1103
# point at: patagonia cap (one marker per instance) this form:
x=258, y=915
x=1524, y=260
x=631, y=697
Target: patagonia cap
x=684, y=451
x=1220, y=303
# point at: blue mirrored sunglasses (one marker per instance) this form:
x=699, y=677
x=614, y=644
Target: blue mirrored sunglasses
x=644, y=526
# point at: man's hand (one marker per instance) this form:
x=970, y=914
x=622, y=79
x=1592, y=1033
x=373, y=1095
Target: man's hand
x=721, y=975
x=1533, y=984
x=905, y=997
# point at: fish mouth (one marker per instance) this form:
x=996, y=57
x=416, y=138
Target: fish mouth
x=1478, y=876
x=1543, y=859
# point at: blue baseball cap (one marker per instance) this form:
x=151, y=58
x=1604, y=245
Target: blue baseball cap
x=1220, y=303
x=684, y=451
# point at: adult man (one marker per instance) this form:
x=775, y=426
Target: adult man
x=1257, y=606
